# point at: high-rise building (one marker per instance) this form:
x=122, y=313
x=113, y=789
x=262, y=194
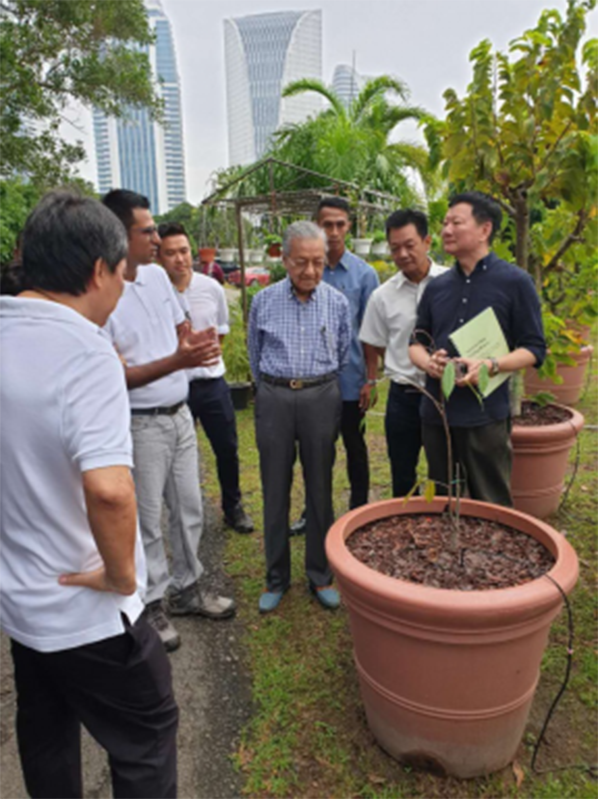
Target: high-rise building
x=347, y=83
x=263, y=53
x=133, y=152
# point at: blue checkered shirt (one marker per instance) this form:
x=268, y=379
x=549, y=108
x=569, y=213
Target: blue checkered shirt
x=293, y=339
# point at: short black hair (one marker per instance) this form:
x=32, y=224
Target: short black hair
x=484, y=209
x=166, y=229
x=334, y=202
x=64, y=236
x=123, y=202
x=409, y=216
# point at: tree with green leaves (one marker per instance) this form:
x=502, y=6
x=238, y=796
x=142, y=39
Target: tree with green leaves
x=54, y=53
x=353, y=143
x=526, y=132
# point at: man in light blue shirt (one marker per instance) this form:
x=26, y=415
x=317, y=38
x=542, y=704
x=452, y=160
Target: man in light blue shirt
x=298, y=341
x=357, y=280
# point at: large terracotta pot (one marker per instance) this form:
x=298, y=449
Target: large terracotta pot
x=573, y=379
x=207, y=254
x=540, y=461
x=447, y=677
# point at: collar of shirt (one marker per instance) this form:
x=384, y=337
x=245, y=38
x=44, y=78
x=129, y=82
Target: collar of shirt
x=294, y=295
x=483, y=265
x=399, y=279
x=346, y=261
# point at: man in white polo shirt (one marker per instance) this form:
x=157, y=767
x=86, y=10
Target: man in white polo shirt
x=150, y=333
x=72, y=560
x=386, y=331
x=203, y=301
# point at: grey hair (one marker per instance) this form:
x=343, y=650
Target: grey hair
x=302, y=230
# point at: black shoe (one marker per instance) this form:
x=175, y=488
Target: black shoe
x=239, y=520
x=299, y=527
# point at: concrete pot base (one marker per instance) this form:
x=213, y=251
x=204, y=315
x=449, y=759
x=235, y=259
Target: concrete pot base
x=447, y=677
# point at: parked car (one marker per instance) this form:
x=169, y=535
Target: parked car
x=255, y=276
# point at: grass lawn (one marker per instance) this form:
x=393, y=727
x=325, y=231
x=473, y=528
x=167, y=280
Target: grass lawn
x=309, y=737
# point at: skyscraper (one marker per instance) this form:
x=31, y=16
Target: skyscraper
x=347, y=83
x=136, y=153
x=263, y=53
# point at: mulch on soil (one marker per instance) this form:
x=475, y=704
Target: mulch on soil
x=418, y=548
x=534, y=415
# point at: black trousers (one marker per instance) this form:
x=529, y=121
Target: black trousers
x=403, y=435
x=211, y=405
x=357, y=457
x=484, y=454
x=310, y=417
x=120, y=690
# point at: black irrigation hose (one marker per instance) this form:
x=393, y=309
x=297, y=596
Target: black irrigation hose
x=592, y=770
x=573, y=475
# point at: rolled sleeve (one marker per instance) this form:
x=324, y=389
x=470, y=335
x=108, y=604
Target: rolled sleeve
x=374, y=329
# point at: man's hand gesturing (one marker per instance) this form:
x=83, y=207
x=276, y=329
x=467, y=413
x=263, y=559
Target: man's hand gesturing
x=199, y=348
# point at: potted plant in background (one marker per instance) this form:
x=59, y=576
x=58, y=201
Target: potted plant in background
x=380, y=247
x=526, y=133
x=235, y=355
x=448, y=662
x=273, y=245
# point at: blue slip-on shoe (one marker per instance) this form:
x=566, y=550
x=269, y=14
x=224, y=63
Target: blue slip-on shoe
x=328, y=596
x=269, y=601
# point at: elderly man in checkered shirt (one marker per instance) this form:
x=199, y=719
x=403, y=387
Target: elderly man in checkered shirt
x=298, y=340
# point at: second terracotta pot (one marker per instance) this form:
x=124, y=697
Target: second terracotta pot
x=540, y=462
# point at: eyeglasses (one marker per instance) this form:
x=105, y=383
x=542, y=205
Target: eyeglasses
x=147, y=231
x=301, y=265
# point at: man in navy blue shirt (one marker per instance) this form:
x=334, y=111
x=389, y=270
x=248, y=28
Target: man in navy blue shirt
x=478, y=280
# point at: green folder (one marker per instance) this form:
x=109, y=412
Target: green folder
x=482, y=337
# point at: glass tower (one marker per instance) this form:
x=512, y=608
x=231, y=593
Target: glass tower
x=263, y=53
x=134, y=152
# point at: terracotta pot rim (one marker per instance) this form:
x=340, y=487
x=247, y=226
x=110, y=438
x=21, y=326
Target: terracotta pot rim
x=558, y=430
x=522, y=598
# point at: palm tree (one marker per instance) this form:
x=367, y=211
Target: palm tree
x=353, y=143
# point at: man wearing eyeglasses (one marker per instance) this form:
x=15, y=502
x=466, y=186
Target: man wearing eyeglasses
x=149, y=330
x=298, y=340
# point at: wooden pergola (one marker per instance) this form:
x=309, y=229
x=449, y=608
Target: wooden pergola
x=286, y=196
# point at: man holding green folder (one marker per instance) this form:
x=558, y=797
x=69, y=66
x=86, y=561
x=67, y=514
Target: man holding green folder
x=483, y=310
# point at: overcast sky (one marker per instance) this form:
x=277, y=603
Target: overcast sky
x=424, y=42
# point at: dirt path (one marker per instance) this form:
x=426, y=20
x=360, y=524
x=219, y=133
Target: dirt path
x=212, y=689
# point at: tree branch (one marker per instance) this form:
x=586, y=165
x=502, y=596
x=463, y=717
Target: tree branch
x=572, y=238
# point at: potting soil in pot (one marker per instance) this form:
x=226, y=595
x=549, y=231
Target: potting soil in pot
x=532, y=415
x=418, y=549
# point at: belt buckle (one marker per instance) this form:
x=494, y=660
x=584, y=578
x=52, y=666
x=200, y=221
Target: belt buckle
x=296, y=384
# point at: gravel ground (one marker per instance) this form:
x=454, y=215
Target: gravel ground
x=212, y=688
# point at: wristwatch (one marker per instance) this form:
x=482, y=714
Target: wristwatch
x=494, y=368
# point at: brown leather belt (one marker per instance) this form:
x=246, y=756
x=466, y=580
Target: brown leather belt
x=297, y=383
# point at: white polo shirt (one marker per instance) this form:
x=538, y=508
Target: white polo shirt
x=390, y=319
x=205, y=303
x=64, y=412
x=142, y=328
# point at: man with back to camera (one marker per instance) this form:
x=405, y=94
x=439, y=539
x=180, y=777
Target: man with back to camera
x=72, y=559
x=209, y=398
x=298, y=340
x=150, y=333
x=386, y=331
x=478, y=280
x=357, y=280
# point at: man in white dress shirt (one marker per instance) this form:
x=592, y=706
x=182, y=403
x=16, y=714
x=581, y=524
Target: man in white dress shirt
x=150, y=333
x=204, y=301
x=72, y=567
x=386, y=331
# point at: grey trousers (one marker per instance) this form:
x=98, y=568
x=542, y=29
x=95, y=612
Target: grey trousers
x=484, y=454
x=165, y=456
x=311, y=417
